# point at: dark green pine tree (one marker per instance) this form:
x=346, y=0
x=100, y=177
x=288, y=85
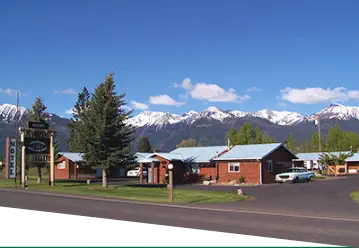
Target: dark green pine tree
x=231, y=135
x=110, y=138
x=77, y=126
x=291, y=144
x=38, y=114
x=259, y=137
x=245, y=134
x=144, y=145
x=335, y=139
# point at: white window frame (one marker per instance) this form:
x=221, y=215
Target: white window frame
x=270, y=168
x=61, y=165
x=234, y=164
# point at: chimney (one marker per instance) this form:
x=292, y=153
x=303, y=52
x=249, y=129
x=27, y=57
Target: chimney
x=228, y=144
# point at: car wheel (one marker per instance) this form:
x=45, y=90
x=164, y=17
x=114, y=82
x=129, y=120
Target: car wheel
x=309, y=179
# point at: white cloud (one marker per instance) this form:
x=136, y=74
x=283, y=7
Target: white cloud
x=164, y=100
x=126, y=108
x=316, y=95
x=186, y=84
x=69, y=91
x=69, y=111
x=214, y=93
x=353, y=94
x=210, y=92
x=138, y=105
x=254, y=89
x=9, y=92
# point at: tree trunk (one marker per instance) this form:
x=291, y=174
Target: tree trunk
x=104, y=178
x=39, y=178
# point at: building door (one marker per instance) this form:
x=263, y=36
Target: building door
x=71, y=169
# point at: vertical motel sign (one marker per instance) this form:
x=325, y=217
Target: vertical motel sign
x=11, y=158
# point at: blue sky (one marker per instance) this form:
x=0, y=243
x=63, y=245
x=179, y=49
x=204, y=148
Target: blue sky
x=299, y=55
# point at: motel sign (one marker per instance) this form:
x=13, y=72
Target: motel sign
x=11, y=158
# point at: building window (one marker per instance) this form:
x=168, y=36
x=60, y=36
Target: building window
x=61, y=165
x=234, y=167
x=270, y=166
x=192, y=168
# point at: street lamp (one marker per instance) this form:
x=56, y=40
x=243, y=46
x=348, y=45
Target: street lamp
x=170, y=168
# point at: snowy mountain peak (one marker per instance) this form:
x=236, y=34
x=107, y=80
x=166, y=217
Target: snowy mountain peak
x=215, y=113
x=190, y=113
x=336, y=105
x=237, y=113
x=9, y=113
x=338, y=111
x=282, y=118
x=211, y=109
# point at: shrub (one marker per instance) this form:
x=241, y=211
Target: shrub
x=242, y=179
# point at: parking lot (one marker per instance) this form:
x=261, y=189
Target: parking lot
x=329, y=198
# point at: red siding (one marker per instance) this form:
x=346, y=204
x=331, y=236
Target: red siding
x=62, y=173
x=162, y=168
x=206, y=172
x=279, y=156
x=249, y=169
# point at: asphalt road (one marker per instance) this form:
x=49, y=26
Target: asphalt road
x=328, y=198
x=217, y=217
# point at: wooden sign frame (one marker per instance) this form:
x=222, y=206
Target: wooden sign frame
x=39, y=134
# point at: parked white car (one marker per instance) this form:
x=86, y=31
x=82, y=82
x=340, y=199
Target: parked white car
x=295, y=174
x=136, y=172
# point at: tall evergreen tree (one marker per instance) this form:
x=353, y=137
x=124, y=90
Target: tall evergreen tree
x=232, y=136
x=259, y=137
x=38, y=114
x=335, y=139
x=109, y=142
x=78, y=124
x=245, y=134
x=350, y=141
x=315, y=143
x=144, y=145
x=291, y=144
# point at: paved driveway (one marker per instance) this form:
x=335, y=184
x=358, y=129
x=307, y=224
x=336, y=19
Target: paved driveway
x=329, y=198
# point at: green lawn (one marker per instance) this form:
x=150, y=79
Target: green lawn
x=131, y=193
x=355, y=196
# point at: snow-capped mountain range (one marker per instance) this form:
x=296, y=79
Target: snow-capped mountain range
x=282, y=118
x=150, y=118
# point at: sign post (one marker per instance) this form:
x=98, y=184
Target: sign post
x=52, y=162
x=170, y=172
x=22, y=159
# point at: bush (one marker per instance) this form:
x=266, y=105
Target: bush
x=242, y=179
